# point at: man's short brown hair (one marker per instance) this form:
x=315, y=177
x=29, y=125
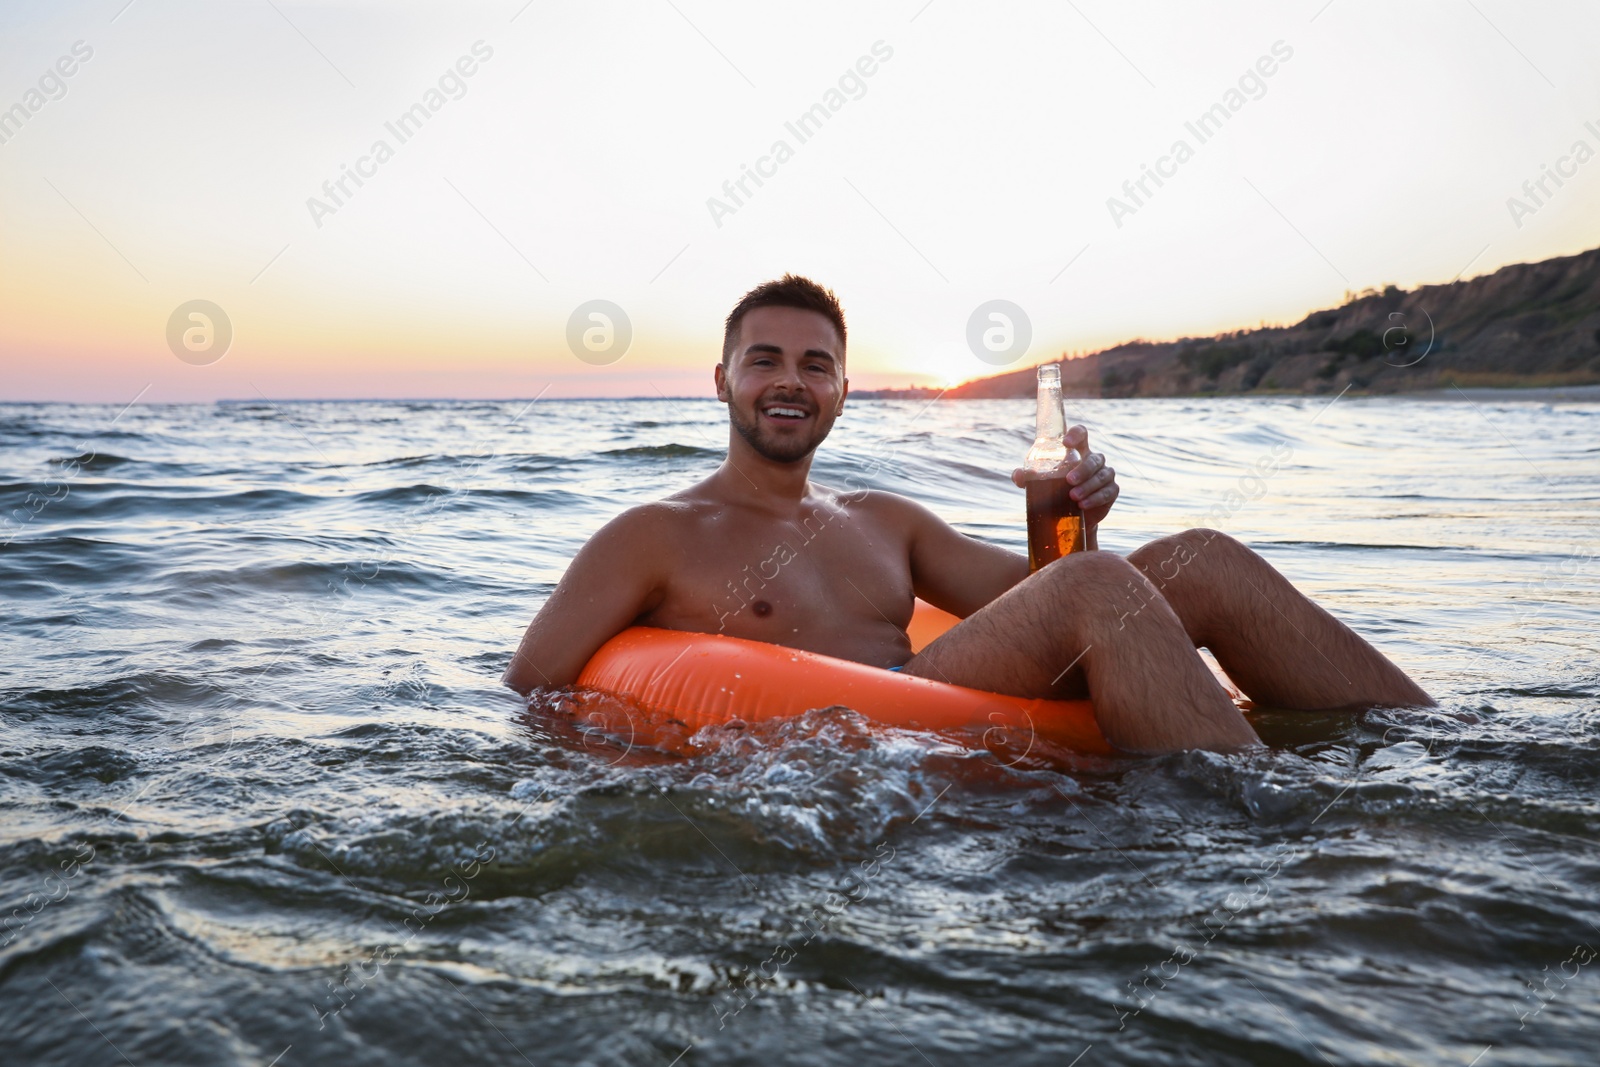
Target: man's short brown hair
x=792, y=291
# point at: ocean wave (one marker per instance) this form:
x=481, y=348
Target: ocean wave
x=670, y=451
x=156, y=689
x=93, y=461
x=333, y=579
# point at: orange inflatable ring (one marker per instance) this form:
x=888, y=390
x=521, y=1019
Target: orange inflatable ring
x=682, y=681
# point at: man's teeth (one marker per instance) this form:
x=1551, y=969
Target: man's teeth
x=796, y=413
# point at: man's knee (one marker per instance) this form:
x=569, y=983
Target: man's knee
x=1084, y=572
x=1164, y=560
x=1097, y=590
x=1195, y=570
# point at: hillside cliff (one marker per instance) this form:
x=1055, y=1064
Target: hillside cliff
x=1525, y=324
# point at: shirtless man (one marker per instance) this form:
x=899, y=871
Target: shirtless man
x=1122, y=631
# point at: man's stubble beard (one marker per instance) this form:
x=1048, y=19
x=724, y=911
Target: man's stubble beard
x=793, y=454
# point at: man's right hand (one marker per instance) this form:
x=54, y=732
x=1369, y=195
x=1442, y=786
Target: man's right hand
x=1094, y=484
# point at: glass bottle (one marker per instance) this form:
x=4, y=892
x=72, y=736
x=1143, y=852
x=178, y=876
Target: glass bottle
x=1055, y=521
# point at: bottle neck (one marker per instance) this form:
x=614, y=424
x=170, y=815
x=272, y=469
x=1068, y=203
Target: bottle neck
x=1049, y=444
x=1050, y=422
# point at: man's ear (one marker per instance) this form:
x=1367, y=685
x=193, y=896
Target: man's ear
x=719, y=374
x=842, y=394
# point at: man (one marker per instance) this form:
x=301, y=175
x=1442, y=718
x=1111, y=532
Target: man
x=1122, y=632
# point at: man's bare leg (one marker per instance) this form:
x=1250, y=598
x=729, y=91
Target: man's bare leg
x=1068, y=630
x=1277, y=645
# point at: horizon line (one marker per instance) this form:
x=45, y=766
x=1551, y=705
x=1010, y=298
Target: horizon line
x=420, y=399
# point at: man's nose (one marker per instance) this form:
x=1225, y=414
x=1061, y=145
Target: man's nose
x=790, y=379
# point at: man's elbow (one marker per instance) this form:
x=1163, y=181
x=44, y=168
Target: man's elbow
x=511, y=681
x=523, y=676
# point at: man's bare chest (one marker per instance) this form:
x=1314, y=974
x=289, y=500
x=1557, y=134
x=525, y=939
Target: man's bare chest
x=833, y=572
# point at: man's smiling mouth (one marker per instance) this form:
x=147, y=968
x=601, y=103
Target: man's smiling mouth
x=785, y=412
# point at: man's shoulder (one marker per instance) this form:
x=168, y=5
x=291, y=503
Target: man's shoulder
x=880, y=504
x=645, y=536
x=659, y=522
x=878, y=500
x=656, y=517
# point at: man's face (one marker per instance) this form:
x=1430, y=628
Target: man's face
x=784, y=384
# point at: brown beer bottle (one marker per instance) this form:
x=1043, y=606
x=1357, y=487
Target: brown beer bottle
x=1055, y=521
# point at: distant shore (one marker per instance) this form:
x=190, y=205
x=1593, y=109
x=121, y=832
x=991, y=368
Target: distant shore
x=1528, y=331
x=1541, y=393
x=1537, y=393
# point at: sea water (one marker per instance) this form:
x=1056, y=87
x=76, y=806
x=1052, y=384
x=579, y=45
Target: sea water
x=265, y=801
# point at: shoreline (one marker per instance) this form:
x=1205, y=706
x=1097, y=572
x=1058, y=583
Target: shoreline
x=1536, y=393
x=1532, y=392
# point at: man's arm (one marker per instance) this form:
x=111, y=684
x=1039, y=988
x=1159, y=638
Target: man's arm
x=953, y=571
x=961, y=574
x=616, y=577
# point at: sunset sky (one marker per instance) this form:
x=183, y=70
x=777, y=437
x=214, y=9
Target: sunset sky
x=560, y=153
